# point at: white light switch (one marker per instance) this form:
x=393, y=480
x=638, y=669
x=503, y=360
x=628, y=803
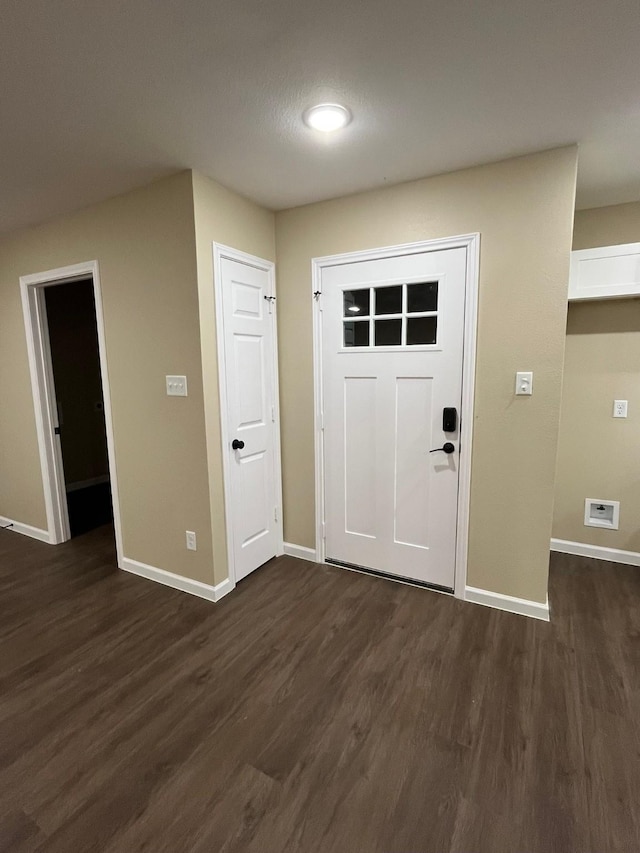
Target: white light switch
x=176, y=386
x=524, y=383
x=620, y=408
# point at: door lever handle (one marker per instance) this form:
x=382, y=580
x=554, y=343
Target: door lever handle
x=448, y=447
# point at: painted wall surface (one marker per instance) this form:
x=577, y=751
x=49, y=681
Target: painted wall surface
x=599, y=456
x=523, y=209
x=73, y=338
x=144, y=244
x=607, y=226
x=221, y=216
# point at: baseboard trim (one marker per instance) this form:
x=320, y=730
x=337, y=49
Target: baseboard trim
x=85, y=484
x=25, y=529
x=201, y=590
x=301, y=552
x=596, y=552
x=521, y=606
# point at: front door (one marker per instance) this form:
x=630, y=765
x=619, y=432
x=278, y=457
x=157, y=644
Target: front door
x=251, y=416
x=392, y=344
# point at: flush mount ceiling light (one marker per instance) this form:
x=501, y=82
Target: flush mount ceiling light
x=327, y=117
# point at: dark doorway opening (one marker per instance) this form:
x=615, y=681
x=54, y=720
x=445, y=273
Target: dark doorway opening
x=77, y=379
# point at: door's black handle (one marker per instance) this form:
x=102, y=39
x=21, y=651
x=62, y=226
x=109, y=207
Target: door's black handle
x=237, y=444
x=447, y=447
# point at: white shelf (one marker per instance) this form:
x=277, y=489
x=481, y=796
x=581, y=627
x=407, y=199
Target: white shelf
x=609, y=272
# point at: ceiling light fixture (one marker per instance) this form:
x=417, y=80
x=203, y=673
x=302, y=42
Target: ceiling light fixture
x=327, y=117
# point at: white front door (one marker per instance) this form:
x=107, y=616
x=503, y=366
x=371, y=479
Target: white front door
x=253, y=487
x=392, y=343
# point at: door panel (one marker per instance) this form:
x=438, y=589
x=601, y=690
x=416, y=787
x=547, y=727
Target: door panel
x=414, y=411
x=359, y=451
x=250, y=385
x=250, y=381
x=392, y=360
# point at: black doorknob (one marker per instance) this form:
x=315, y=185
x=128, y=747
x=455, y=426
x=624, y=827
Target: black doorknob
x=237, y=444
x=448, y=447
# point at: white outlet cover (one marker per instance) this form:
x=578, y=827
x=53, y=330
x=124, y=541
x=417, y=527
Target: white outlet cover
x=176, y=386
x=524, y=383
x=602, y=513
x=620, y=408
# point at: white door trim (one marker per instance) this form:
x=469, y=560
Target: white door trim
x=470, y=242
x=31, y=288
x=221, y=252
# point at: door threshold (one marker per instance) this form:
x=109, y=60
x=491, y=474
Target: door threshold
x=352, y=567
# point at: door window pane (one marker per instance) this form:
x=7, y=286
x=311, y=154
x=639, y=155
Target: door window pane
x=421, y=330
x=389, y=300
x=422, y=297
x=388, y=333
x=356, y=302
x=356, y=334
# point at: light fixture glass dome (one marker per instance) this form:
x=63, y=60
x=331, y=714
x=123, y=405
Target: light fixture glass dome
x=327, y=117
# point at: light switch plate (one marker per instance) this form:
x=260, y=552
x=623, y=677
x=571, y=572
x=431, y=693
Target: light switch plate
x=524, y=383
x=176, y=386
x=620, y=408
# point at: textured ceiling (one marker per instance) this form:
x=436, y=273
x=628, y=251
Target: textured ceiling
x=97, y=97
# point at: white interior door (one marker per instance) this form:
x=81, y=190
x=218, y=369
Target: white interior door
x=392, y=344
x=252, y=435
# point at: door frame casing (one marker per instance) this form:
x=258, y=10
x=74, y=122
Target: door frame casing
x=44, y=400
x=220, y=253
x=471, y=243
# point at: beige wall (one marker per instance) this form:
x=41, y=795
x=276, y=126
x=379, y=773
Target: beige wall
x=144, y=244
x=597, y=454
x=523, y=209
x=224, y=217
x=607, y=226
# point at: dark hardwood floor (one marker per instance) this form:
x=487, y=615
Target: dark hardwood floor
x=314, y=709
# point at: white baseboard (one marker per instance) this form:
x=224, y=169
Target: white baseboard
x=85, y=484
x=25, y=529
x=596, y=552
x=202, y=590
x=301, y=552
x=522, y=606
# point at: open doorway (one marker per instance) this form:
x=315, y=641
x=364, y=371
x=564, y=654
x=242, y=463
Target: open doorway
x=65, y=339
x=77, y=384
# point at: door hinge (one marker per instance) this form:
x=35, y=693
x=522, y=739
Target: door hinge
x=273, y=414
x=324, y=534
x=275, y=513
x=56, y=430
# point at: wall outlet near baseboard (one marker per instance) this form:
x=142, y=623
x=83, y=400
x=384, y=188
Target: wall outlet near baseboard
x=191, y=540
x=600, y=513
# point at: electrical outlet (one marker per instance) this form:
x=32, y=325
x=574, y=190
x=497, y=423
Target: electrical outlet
x=620, y=408
x=191, y=541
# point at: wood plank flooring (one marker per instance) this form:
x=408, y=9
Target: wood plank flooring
x=313, y=710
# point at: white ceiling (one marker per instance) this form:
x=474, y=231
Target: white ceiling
x=99, y=96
